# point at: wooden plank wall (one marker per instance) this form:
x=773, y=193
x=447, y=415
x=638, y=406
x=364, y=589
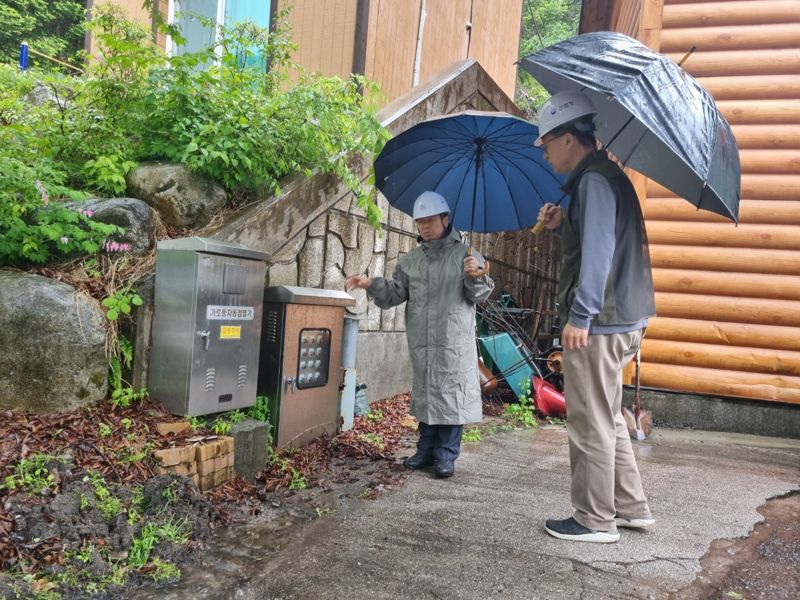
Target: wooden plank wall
x=495, y=40
x=728, y=298
x=392, y=45
x=487, y=30
x=325, y=34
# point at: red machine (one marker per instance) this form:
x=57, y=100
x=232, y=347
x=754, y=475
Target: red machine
x=547, y=399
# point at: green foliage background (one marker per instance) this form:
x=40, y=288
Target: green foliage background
x=544, y=22
x=53, y=27
x=247, y=128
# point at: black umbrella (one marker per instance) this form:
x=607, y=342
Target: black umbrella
x=652, y=115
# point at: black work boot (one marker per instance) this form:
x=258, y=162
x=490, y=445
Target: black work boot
x=444, y=468
x=418, y=461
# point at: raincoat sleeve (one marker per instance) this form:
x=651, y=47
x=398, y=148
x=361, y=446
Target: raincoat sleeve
x=389, y=292
x=477, y=289
x=598, y=208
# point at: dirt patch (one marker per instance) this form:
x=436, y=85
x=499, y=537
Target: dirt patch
x=81, y=514
x=763, y=566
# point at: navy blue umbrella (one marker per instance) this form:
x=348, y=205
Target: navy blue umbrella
x=483, y=163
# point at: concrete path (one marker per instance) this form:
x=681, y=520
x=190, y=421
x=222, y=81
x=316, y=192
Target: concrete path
x=480, y=535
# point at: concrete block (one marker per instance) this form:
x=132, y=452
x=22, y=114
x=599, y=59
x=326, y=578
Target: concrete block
x=223, y=475
x=212, y=480
x=205, y=482
x=214, y=448
x=174, y=456
x=167, y=428
x=250, y=447
x=223, y=461
x=206, y=467
x=187, y=469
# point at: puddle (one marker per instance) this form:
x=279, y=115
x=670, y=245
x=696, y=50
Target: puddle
x=763, y=566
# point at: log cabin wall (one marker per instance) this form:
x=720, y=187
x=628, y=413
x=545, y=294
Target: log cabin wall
x=728, y=297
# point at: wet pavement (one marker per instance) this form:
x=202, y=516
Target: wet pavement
x=480, y=535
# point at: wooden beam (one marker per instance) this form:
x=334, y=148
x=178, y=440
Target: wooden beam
x=774, y=237
x=728, y=283
x=761, y=112
x=779, y=162
x=764, y=311
x=767, y=187
x=767, y=136
x=719, y=382
x=739, y=37
x=749, y=87
x=595, y=16
x=360, y=42
x=744, y=12
x=742, y=260
x=778, y=212
x=720, y=332
x=777, y=61
x=715, y=356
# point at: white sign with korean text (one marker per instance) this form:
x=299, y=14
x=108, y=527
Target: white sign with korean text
x=230, y=313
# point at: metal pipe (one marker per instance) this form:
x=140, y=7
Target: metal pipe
x=55, y=60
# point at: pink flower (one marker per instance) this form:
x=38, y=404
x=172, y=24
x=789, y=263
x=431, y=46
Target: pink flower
x=112, y=246
x=88, y=213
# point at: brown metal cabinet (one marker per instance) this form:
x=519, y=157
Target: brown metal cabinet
x=300, y=361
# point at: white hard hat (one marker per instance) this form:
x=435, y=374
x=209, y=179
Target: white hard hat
x=560, y=109
x=429, y=204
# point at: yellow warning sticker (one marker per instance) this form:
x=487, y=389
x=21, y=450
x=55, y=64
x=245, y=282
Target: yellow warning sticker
x=230, y=332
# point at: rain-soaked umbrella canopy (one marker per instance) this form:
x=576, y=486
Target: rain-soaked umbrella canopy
x=483, y=163
x=652, y=115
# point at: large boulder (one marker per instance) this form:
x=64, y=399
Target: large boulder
x=183, y=199
x=52, y=345
x=133, y=215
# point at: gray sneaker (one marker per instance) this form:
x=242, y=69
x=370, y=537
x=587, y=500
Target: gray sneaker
x=639, y=523
x=570, y=529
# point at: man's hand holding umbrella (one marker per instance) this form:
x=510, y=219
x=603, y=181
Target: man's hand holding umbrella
x=550, y=216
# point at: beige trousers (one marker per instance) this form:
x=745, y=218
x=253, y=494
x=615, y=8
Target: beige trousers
x=605, y=478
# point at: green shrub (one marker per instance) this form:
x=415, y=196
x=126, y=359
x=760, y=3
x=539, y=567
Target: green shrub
x=242, y=126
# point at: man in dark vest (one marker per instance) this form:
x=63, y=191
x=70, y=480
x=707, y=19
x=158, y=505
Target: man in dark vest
x=605, y=299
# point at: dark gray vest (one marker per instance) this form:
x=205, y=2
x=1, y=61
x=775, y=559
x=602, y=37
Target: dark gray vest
x=628, y=297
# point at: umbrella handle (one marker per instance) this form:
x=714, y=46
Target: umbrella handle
x=480, y=272
x=540, y=224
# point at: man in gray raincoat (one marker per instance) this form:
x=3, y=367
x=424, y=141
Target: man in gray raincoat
x=438, y=279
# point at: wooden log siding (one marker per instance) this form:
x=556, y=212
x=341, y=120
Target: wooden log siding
x=728, y=297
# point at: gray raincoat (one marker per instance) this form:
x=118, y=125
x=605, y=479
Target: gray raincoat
x=440, y=327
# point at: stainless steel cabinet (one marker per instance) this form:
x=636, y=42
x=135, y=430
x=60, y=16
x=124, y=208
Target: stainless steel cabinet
x=207, y=325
